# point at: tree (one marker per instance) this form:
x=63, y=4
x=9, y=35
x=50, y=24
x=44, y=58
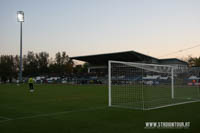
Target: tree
x=194, y=61
x=7, y=69
x=30, y=64
x=35, y=64
x=69, y=66
x=62, y=65
x=43, y=62
x=81, y=69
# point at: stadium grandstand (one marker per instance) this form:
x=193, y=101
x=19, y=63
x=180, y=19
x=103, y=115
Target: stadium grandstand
x=98, y=63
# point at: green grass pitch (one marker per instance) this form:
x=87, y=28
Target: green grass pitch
x=82, y=109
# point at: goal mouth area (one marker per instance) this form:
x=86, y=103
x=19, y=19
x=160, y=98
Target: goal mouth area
x=146, y=86
x=161, y=103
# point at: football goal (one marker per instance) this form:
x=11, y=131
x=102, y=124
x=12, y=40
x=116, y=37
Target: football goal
x=149, y=86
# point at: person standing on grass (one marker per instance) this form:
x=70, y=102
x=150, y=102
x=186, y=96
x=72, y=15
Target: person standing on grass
x=30, y=82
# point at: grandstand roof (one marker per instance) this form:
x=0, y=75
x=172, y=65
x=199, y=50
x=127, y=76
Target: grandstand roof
x=129, y=56
x=172, y=61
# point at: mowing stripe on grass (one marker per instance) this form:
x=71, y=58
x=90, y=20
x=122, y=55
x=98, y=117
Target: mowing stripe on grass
x=53, y=114
x=6, y=118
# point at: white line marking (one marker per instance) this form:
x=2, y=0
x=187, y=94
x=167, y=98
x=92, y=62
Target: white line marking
x=172, y=105
x=53, y=114
x=163, y=106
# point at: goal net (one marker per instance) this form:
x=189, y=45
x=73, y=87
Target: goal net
x=150, y=86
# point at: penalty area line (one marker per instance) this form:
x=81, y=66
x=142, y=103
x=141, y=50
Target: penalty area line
x=53, y=114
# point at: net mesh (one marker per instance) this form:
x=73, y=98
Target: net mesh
x=149, y=86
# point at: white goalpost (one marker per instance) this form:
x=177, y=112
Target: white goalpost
x=148, y=86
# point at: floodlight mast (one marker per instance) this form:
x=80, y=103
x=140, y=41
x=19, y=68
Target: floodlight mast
x=20, y=18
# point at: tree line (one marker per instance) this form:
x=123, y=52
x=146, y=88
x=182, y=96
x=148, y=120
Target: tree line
x=35, y=64
x=193, y=61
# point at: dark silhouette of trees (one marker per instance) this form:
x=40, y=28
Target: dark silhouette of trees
x=30, y=65
x=7, y=68
x=194, y=61
x=43, y=62
x=81, y=69
x=35, y=64
x=62, y=64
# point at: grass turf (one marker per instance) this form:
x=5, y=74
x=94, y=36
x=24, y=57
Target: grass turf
x=81, y=109
x=152, y=96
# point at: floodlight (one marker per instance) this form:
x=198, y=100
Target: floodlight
x=20, y=16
